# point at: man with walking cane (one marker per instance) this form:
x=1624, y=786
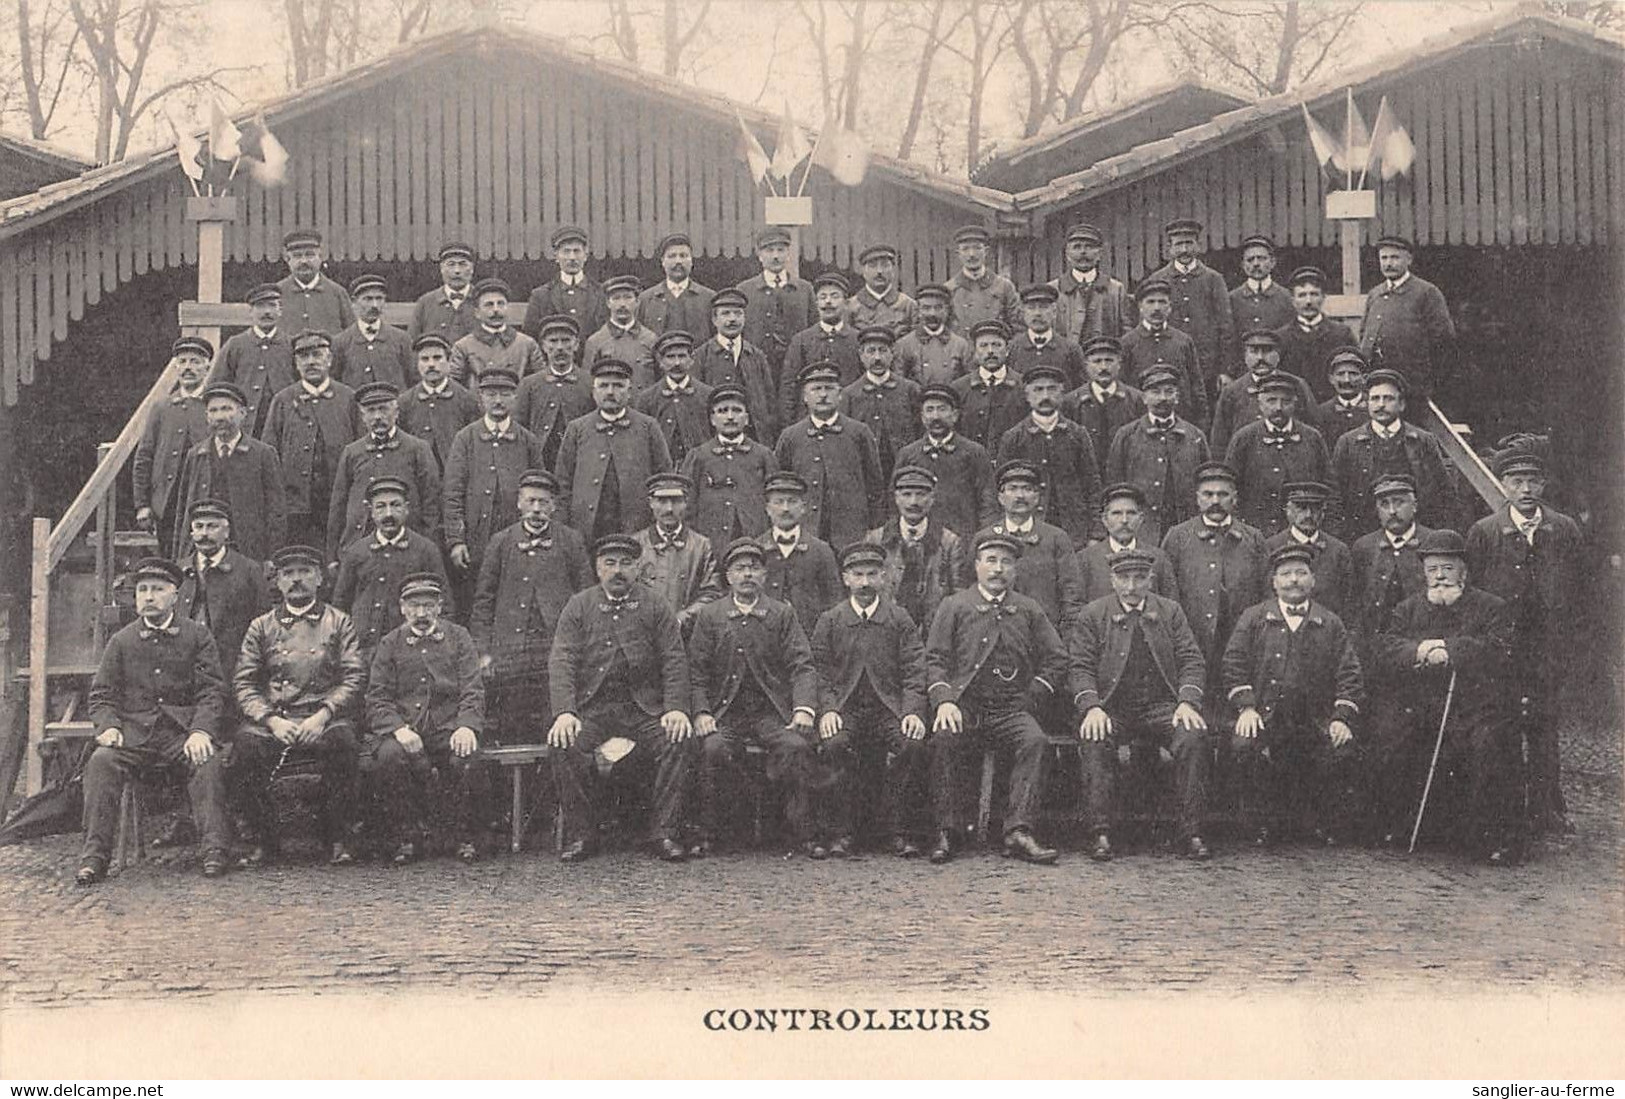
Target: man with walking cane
x=1445, y=745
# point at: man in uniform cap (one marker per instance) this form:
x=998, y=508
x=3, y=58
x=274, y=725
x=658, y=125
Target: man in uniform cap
x=606, y=457
x=571, y=293
x=1092, y=303
x=966, y=496
x=1122, y=514
x=1407, y=325
x=933, y=352
x=297, y=682
x=839, y=459
x=1048, y=569
x=1063, y=453
x=991, y=397
x=993, y=659
x=494, y=342
x=1037, y=342
x=801, y=568
x=481, y=493
x=828, y=339
x=1387, y=564
x=753, y=680
x=448, y=310
x=1452, y=634
x=730, y=359
x=530, y=571
x=372, y=569
x=617, y=670
x=436, y=408
x=1260, y=301
x=384, y=451
x=677, y=303
x=172, y=427
x=980, y=294
x=1137, y=677
x=1155, y=342
x=309, y=424
x=1387, y=444
x=1531, y=555
x=1104, y=402
x=311, y=299
x=1305, y=511
x=1273, y=450
x=729, y=472
x=1160, y=452
x=1308, y=337
x=1238, y=400
x=622, y=335
x=777, y=305
x=259, y=359
x=925, y=560
x=678, y=563
x=1291, y=675
x=425, y=713
x=1345, y=409
x=678, y=402
x=887, y=403
x=242, y=472
x=370, y=350
x=549, y=399
x=221, y=587
x=871, y=701
x=878, y=300
x=156, y=701
x=1200, y=303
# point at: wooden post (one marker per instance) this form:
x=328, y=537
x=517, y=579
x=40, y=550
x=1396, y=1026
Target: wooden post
x=211, y=213
x=106, y=525
x=793, y=267
x=39, y=626
x=1348, y=235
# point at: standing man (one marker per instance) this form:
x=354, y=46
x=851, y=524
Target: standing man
x=298, y=679
x=729, y=473
x=966, y=498
x=495, y=343
x=1038, y=343
x=156, y=702
x=1155, y=342
x=1407, y=325
x=1331, y=559
x=437, y=408
x=991, y=398
x=980, y=294
x=777, y=306
x=607, y=456
x=1260, y=301
x=222, y=588
x=729, y=359
x=312, y=301
x=677, y=402
x=1386, y=444
x=888, y=404
x=241, y=472
x=258, y=361
x=1346, y=409
x=801, y=569
x=932, y=352
x=572, y=294
x=1387, y=562
x=309, y=425
x=831, y=339
x=1122, y=513
x=447, y=310
x=481, y=492
x=172, y=428
x=617, y=669
x=1201, y=303
x=549, y=399
x=1103, y=403
x=880, y=301
x=1047, y=571
x=838, y=458
x=370, y=350
x=678, y=303
x=1092, y=303
x=925, y=561
x=1308, y=337
x=1272, y=451
x=372, y=570
x=1062, y=452
x=623, y=337
x=993, y=660
x=678, y=563
x=384, y=451
x=1160, y=452
x=1238, y=400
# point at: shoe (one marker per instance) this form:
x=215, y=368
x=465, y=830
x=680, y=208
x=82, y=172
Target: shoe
x=942, y=850
x=215, y=864
x=817, y=851
x=670, y=850
x=575, y=852
x=1020, y=844
x=1325, y=838
x=1262, y=837
x=180, y=833
x=700, y=850
x=91, y=871
x=341, y=855
x=841, y=848
x=1196, y=849
x=468, y=852
x=904, y=848
x=404, y=853
x=1102, y=851
x=261, y=855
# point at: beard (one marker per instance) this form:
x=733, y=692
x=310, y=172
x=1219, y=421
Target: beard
x=1444, y=595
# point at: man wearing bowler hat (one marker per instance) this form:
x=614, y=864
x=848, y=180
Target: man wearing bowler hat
x=991, y=397
x=371, y=350
x=1333, y=561
x=310, y=424
x=372, y=569
x=1407, y=325
x=677, y=303
x=570, y=293
x=678, y=564
x=965, y=498
x=1308, y=337
x=678, y=402
x=1200, y=302
x=879, y=300
x=933, y=352
x=777, y=305
x=925, y=560
x=1104, y=402
x=481, y=492
x=979, y=293
x=1037, y=343
x=1385, y=444
x=1155, y=342
x=830, y=338
x=494, y=343
x=1063, y=453
x=310, y=299
x=1273, y=450
x=549, y=399
x=608, y=455
x=623, y=336
x=1092, y=302
x=448, y=310
x=1160, y=452
x=384, y=451
x=436, y=408
x=259, y=359
x=240, y=471
x=173, y=426
x=730, y=358
x=839, y=459
x=1260, y=301
x=729, y=472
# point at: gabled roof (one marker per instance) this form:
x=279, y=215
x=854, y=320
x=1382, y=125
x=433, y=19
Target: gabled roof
x=1513, y=25
x=44, y=152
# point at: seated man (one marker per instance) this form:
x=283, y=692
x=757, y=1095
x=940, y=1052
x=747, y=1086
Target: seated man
x=425, y=710
x=754, y=682
x=1137, y=675
x=1292, y=676
x=617, y=671
x=297, y=678
x=156, y=701
x=871, y=687
x=992, y=660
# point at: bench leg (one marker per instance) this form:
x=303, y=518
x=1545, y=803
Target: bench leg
x=517, y=822
x=984, y=803
x=129, y=844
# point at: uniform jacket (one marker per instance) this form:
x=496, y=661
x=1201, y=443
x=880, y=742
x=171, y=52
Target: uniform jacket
x=480, y=350
x=885, y=651
x=1478, y=634
x=1261, y=667
x=1070, y=495
x=1087, y=310
x=1333, y=567
x=729, y=501
x=158, y=683
x=767, y=644
x=1337, y=419
x=1383, y=577
x=714, y=365
x=594, y=633
x=940, y=567
x=1123, y=405
x=991, y=297
x=682, y=571
x=966, y=499
x=1095, y=572
x=1268, y=308
x=890, y=408
x=1047, y=571
x=1058, y=351
x=1306, y=351
x=173, y=427
x=584, y=302
x=435, y=312
x=436, y=418
x=524, y=583
x=988, y=410
x=430, y=682
x=1220, y=574
x=253, y=488
x=481, y=492
x=325, y=307
x=807, y=578
x=1408, y=329
x=368, y=587
x=774, y=315
x=684, y=413
x=1501, y=561
x=293, y=665
x=1163, y=464
x=634, y=346
x=1237, y=406
x=932, y=359
x=1354, y=467
x=845, y=484
x=298, y=422
x=660, y=312
x=547, y=402
x=387, y=357
x=639, y=449
x=261, y=366
x=1265, y=460
x=1098, y=649
x=235, y=592
x=813, y=344
x=968, y=628
x=1143, y=348
x=895, y=310
x=402, y=455
x=1202, y=311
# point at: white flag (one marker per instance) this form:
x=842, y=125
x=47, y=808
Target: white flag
x=843, y=154
x=1391, y=146
x=749, y=150
x=792, y=146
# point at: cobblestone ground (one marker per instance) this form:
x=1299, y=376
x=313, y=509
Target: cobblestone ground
x=518, y=924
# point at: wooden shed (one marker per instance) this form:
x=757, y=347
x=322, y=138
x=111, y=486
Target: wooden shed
x=27, y=165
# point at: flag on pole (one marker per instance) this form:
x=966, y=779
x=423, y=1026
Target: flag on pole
x=265, y=156
x=189, y=149
x=750, y=151
x=1391, y=147
x=791, y=148
x=1356, y=141
x=843, y=154
x=224, y=136
x=1320, y=139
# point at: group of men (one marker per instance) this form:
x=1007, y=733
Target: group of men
x=864, y=532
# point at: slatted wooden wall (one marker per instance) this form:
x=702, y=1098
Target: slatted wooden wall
x=1515, y=146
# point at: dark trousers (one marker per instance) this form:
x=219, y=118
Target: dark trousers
x=1294, y=780
x=396, y=784
x=1150, y=724
x=1015, y=731
x=516, y=708
x=104, y=777
x=1472, y=800
x=1539, y=713
x=258, y=759
x=790, y=765
x=871, y=736
x=671, y=762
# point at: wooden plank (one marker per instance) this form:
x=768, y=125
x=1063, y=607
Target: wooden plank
x=321, y=181
x=124, y=210
x=1451, y=110
x=10, y=364
x=619, y=237
x=1518, y=145
x=385, y=242
x=1582, y=167
x=60, y=297
x=497, y=169
x=1616, y=163
x=736, y=240
x=1597, y=138
x=414, y=183
x=543, y=176
x=39, y=622
x=1440, y=174
x=518, y=166
x=1483, y=96
x=77, y=234
x=439, y=210
x=44, y=262
x=467, y=205
x=649, y=138
x=1470, y=194
x=485, y=167
x=1559, y=127
x=661, y=152
x=140, y=230
x=401, y=227
x=25, y=310
x=364, y=137
x=1502, y=131
x=1282, y=195
x=694, y=178
x=575, y=204
x=1533, y=128
x=232, y=314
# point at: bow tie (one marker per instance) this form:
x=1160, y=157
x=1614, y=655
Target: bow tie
x=681, y=391
x=180, y=398
x=149, y=632
x=288, y=617
x=307, y=395
x=871, y=387
x=676, y=541
x=1281, y=438
x=505, y=435
x=785, y=540
x=374, y=443
x=613, y=605
x=1208, y=533
x=609, y=426
x=544, y=540
x=427, y=394
x=1157, y=431
x=816, y=432
x=212, y=566
x=1030, y=537
x=940, y=448
x=1297, y=610
x=725, y=448
x=371, y=334
x=413, y=637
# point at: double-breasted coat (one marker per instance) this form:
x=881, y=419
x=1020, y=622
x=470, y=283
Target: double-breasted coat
x=1098, y=651
x=966, y=499
x=399, y=454
x=310, y=430
x=681, y=569
x=1311, y=678
x=481, y=491
x=804, y=575
x=1065, y=457
x=989, y=407
x=1144, y=348
x=582, y=301
x=1162, y=461
x=715, y=364
x=683, y=413
x=920, y=575
x=1266, y=461
x=1056, y=350
x=323, y=306
x=634, y=447
x=1101, y=414
x=158, y=685
x=1220, y=572
x=1386, y=573
x=661, y=311
x=845, y=483
x=729, y=488
x=1408, y=328
x=430, y=683
x=1047, y=570
x=482, y=349
x=173, y=427
x=1267, y=307
x=634, y=346
x=891, y=408
x=884, y=652
x=232, y=593
x=893, y=309
x=1094, y=569
x=1237, y=406
x=547, y=402
x=258, y=363
x=1306, y=350
x=368, y=587
x=436, y=416
x=1360, y=456
x=932, y=358
x=1098, y=307
x=599, y=638
x=816, y=343
x=441, y=313
x=765, y=645
x=1201, y=309
x=774, y=314
x=383, y=355
x=1333, y=567
x=525, y=580
x=248, y=478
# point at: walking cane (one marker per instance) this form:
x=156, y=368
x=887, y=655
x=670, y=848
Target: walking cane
x=1449, y=694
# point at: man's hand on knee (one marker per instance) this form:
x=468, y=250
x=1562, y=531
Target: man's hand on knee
x=199, y=748
x=1189, y=718
x=1096, y=726
x=408, y=738
x=566, y=727
x=678, y=727
x=110, y=738
x=464, y=742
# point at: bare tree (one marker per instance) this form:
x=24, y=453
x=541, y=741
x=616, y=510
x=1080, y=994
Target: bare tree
x=676, y=34
x=1264, y=46
x=310, y=31
x=842, y=46
x=1608, y=14
x=1064, y=45
x=935, y=30
x=47, y=43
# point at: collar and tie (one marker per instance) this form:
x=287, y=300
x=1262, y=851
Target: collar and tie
x=1158, y=428
x=288, y=616
x=371, y=333
x=1281, y=436
x=776, y=282
x=865, y=614
x=989, y=599
x=225, y=449
x=947, y=446
x=166, y=627
x=500, y=432
x=725, y=447
x=1027, y=532
x=609, y=426
x=434, y=394
x=818, y=430
x=388, y=442
x=1397, y=544
x=217, y=563
x=570, y=281
x=1387, y=433
x=413, y=637
x=539, y=539
x=985, y=380
x=454, y=300
x=319, y=393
